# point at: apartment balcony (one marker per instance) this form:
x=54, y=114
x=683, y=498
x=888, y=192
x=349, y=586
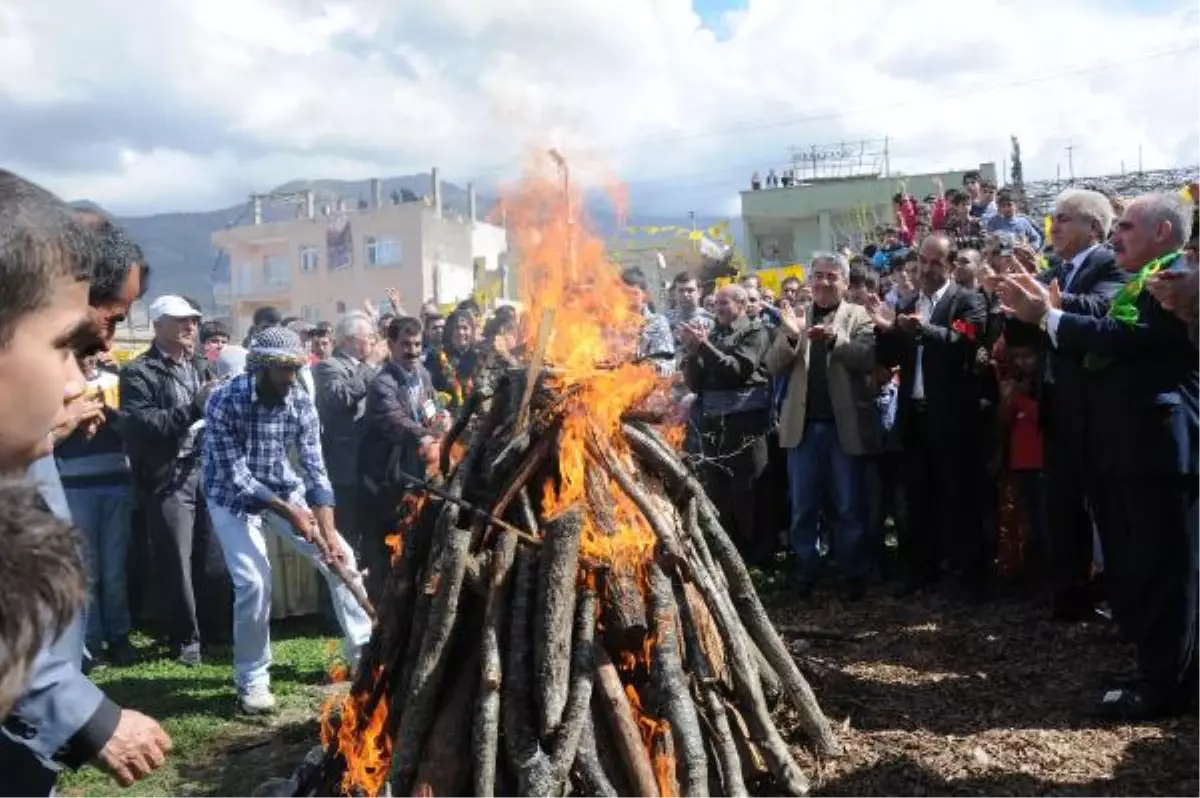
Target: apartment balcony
x=261, y=290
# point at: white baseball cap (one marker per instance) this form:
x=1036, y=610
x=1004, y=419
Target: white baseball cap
x=173, y=306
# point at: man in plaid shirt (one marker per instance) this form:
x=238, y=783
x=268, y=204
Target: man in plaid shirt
x=252, y=422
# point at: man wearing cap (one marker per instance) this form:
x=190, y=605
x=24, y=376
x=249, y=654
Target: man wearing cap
x=252, y=422
x=162, y=399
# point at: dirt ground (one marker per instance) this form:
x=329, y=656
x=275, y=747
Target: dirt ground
x=930, y=697
x=936, y=698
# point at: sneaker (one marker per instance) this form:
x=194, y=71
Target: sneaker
x=189, y=656
x=256, y=700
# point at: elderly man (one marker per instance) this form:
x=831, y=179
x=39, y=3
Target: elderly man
x=828, y=420
x=162, y=403
x=1142, y=428
x=730, y=414
x=341, y=382
x=251, y=486
x=935, y=335
x=1088, y=277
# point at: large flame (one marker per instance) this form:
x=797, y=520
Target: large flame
x=568, y=282
x=361, y=739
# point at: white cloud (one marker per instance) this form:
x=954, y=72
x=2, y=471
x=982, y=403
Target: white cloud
x=272, y=90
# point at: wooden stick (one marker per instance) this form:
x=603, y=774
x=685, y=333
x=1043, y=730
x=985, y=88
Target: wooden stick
x=626, y=736
x=654, y=452
x=691, y=763
x=535, y=367
x=557, y=576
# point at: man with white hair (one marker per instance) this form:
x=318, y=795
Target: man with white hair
x=341, y=382
x=1088, y=277
x=1142, y=436
x=730, y=415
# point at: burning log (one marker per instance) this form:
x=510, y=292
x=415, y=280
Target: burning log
x=566, y=591
x=580, y=609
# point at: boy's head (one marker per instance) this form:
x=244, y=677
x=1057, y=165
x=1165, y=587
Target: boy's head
x=47, y=258
x=42, y=583
x=1024, y=360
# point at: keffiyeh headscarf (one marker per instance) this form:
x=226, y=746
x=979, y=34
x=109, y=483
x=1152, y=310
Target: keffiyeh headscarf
x=276, y=347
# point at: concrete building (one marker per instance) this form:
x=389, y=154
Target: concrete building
x=327, y=261
x=786, y=224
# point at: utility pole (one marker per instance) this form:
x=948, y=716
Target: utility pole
x=887, y=161
x=1139, y=159
x=1070, y=162
x=694, y=242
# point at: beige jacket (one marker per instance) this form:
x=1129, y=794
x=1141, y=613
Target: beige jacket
x=849, y=371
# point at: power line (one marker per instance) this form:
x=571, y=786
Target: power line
x=834, y=113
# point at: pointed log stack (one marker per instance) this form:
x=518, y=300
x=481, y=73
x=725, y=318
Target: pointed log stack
x=614, y=646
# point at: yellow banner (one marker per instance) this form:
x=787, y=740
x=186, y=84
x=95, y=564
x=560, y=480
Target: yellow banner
x=768, y=278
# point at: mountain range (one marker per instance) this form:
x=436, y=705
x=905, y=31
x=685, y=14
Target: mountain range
x=179, y=250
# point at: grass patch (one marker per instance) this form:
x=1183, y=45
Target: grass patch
x=216, y=750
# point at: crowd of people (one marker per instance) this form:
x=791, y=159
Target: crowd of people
x=926, y=386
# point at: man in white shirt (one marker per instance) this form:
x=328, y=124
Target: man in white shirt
x=935, y=337
x=1088, y=277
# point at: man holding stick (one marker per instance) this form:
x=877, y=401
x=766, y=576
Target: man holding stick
x=252, y=421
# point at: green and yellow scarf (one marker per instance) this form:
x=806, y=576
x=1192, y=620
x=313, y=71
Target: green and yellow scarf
x=1124, y=304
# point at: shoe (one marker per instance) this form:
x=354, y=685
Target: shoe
x=189, y=656
x=1132, y=703
x=256, y=700
x=121, y=654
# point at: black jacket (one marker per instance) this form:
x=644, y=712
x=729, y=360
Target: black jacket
x=341, y=387
x=952, y=388
x=394, y=428
x=154, y=420
x=1092, y=289
x=1141, y=414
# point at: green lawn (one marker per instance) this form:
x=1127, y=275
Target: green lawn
x=217, y=751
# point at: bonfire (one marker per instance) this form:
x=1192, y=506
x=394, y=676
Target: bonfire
x=565, y=613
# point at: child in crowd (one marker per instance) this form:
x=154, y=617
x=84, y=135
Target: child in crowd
x=1019, y=409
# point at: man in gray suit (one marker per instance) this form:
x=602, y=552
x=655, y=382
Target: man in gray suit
x=341, y=382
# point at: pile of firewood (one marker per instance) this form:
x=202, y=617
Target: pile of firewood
x=528, y=649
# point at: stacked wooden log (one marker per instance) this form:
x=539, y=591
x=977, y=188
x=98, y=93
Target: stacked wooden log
x=524, y=648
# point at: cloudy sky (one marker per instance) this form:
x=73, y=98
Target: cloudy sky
x=158, y=105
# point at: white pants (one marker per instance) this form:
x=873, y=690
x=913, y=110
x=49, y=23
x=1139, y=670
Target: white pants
x=246, y=557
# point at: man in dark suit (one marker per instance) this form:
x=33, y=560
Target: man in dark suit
x=1142, y=445
x=934, y=339
x=341, y=382
x=403, y=427
x=1088, y=276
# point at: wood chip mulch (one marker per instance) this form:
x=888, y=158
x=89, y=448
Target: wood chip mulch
x=932, y=697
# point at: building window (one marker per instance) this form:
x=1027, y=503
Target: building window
x=340, y=307
x=310, y=313
x=308, y=259
x=276, y=270
x=382, y=252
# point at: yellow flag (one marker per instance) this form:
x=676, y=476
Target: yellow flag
x=1046, y=226
x=696, y=235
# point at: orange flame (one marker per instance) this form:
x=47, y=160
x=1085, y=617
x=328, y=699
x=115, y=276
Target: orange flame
x=595, y=323
x=653, y=730
x=362, y=741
